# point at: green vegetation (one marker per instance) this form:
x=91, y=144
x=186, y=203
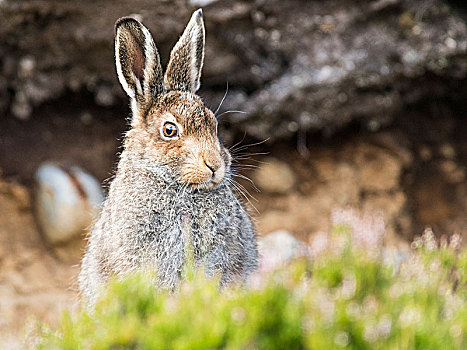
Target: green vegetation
x=352, y=293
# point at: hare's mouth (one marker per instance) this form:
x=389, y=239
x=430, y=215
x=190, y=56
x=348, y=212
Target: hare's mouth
x=205, y=178
x=205, y=185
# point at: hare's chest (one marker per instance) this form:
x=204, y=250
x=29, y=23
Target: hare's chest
x=200, y=231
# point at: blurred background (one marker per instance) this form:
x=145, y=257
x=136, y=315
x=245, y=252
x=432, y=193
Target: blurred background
x=344, y=103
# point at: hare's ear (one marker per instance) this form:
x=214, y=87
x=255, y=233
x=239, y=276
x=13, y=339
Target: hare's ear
x=186, y=59
x=138, y=64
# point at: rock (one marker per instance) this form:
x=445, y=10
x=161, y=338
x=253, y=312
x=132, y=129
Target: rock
x=34, y=284
x=274, y=176
x=66, y=201
x=447, y=151
x=354, y=174
x=278, y=248
x=425, y=153
x=452, y=171
x=342, y=178
x=18, y=192
x=378, y=170
x=201, y=2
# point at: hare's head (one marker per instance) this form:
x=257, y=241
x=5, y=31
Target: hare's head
x=171, y=127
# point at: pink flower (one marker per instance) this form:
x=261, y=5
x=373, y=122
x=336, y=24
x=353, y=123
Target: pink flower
x=366, y=231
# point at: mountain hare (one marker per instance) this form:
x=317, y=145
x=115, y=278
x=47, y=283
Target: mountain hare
x=171, y=195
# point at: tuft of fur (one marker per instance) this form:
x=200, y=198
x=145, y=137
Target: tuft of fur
x=170, y=197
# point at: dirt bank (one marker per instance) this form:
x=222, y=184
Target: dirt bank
x=413, y=173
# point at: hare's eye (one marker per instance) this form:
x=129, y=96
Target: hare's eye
x=170, y=129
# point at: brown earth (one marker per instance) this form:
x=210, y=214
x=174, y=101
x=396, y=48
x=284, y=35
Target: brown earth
x=34, y=282
x=414, y=174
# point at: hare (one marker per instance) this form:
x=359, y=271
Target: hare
x=171, y=195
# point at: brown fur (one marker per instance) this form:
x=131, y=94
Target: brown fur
x=187, y=154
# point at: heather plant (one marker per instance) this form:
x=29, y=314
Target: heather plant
x=349, y=292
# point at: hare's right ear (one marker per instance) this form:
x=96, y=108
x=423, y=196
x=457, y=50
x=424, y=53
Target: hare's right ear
x=186, y=59
x=138, y=64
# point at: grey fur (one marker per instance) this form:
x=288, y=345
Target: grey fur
x=152, y=216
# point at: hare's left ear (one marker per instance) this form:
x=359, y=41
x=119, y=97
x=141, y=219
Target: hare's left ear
x=186, y=59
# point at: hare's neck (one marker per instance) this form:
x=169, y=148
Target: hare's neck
x=139, y=196
x=131, y=162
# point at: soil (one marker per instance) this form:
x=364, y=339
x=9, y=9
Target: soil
x=413, y=173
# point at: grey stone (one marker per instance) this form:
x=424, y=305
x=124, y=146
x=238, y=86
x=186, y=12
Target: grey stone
x=66, y=201
x=278, y=248
x=274, y=176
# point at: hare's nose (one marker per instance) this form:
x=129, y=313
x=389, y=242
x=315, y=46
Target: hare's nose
x=211, y=166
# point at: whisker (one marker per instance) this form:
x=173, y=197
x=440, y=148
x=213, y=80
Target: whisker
x=236, y=164
x=244, y=155
x=248, y=179
x=222, y=101
x=231, y=111
x=249, y=145
x=243, y=166
x=233, y=183
x=239, y=142
x=242, y=189
x=245, y=190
